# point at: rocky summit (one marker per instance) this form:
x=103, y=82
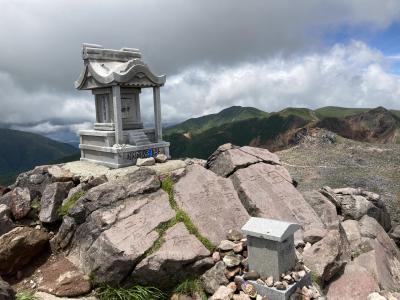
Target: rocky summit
x=83, y=230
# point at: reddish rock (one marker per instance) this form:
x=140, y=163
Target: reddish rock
x=356, y=283
x=211, y=203
x=267, y=191
x=181, y=256
x=19, y=246
x=326, y=257
x=63, y=279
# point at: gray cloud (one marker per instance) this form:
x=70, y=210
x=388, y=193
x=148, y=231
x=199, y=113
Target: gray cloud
x=200, y=45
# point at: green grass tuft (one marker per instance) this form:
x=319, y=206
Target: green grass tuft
x=181, y=216
x=136, y=292
x=35, y=204
x=168, y=186
x=25, y=295
x=190, y=287
x=63, y=210
x=316, y=279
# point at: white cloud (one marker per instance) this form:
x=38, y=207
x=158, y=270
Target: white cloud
x=344, y=75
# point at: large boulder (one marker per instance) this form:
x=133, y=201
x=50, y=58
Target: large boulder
x=52, y=199
x=180, y=256
x=355, y=203
x=356, y=284
x=267, y=191
x=113, y=239
x=6, y=292
x=63, y=279
x=382, y=265
x=19, y=246
x=60, y=174
x=211, y=203
x=370, y=228
x=324, y=208
x=328, y=256
x=6, y=224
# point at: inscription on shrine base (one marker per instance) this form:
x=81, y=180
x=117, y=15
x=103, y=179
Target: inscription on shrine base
x=123, y=156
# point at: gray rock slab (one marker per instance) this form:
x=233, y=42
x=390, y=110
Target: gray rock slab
x=52, y=199
x=267, y=191
x=353, y=234
x=326, y=257
x=214, y=278
x=113, y=239
x=6, y=224
x=228, y=161
x=211, y=202
x=382, y=264
x=324, y=208
x=180, y=256
x=273, y=293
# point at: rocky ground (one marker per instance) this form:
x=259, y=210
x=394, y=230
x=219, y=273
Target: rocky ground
x=66, y=230
x=323, y=158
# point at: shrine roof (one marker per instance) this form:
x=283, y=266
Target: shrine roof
x=107, y=67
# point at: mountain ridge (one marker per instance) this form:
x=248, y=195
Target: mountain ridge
x=277, y=130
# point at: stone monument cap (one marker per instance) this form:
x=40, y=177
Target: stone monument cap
x=269, y=229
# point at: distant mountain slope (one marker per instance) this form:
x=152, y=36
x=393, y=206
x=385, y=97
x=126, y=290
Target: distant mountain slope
x=199, y=137
x=20, y=151
x=228, y=115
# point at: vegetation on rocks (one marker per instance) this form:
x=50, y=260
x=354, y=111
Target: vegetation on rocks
x=191, y=287
x=70, y=203
x=25, y=295
x=181, y=216
x=136, y=292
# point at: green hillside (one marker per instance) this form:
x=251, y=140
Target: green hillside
x=304, y=113
x=21, y=151
x=228, y=115
x=246, y=125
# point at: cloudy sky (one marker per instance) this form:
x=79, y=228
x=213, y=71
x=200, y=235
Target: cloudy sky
x=266, y=54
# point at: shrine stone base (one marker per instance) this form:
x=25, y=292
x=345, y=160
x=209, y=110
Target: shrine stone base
x=273, y=293
x=98, y=147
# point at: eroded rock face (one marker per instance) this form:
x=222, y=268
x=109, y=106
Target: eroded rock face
x=52, y=199
x=113, y=239
x=19, y=202
x=229, y=158
x=382, y=264
x=180, y=256
x=267, y=191
x=211, y=203
x=328, y=256
x=35, y=180
x=19, y=246
x=355, y=203
x=324, y=208
x=356, y=283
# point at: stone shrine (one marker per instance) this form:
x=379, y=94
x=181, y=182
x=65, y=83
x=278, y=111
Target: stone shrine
x=271, y=246
x=116, y=78
x=271, y=252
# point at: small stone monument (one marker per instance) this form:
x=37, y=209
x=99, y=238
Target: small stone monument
x=271, y=252
x=116, y=78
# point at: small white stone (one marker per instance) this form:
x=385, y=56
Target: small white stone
x=143, y=162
